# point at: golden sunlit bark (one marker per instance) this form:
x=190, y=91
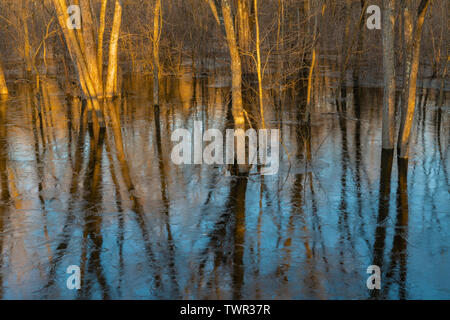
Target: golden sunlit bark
x=410, y=91
x=90, y=55
x=26, y=38
x=157, y=20
x=389, y=75
x=244, y=33
x=87, y=72
x=214, y=10
x=313, y=63
x=3, y=88
x=101, y=32
x=258, y=56
x=236, y=69
x=75, y=50
x=111, y=77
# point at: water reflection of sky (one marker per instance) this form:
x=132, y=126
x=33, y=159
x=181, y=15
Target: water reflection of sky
x=307, y=233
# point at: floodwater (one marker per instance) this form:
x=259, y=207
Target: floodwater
x=140, y=227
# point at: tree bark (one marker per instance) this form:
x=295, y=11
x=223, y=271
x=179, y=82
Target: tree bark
x=89, y=50
x=101, y=32
x=389, y=75
x=3, y=88
x=74, y=48
x=244, y=33
x=258, y=55
x=110, y=88
x=236, y=69
x=87, y=84
x=410, y=91
x=156, y=37
x=26, y=38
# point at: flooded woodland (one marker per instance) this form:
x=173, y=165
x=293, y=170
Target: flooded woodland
x=87, y=177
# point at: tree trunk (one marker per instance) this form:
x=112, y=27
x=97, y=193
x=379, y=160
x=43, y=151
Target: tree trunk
x=156, y=37
x=389, y=75
x=236, y=69
x=111, y=89
x=311, y=12
x=410, y=91
x=90, y=47
x=74, y=48
x=101, y=32
x=258, y=55
x=3, y=88
x=26, y=38
x=78, y=58
x=214, y=11
x=244, y=33
x=346, y=46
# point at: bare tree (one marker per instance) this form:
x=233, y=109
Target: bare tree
x=157, y=21
x=409, y=102
x=101, y=31
x=111, y=77
x=236, y=68
x=258, y=67
x=89, y=50
x=389, y=75
x=244, y=33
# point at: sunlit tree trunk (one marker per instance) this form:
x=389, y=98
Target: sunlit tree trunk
x=156, y=37
x=409, y=103
x=26, y=38
x=279, y=44
x=258, y=67
x=111, y=77
x=311, y=11
x=214, y=11
x=75, y=50
x=389, y=75
x=236, y=69
x=90, y=47
x=244, y=33
x=101, y=32
x=84, y=72
x=3, y=88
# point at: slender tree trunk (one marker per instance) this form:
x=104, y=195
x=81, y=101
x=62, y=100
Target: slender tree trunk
x=313, y=61
x=360, y=43
x=77, y=54
x=156, y=37
x=111, y=89
x=441, y=88
x=410, y=91
x=407, y=49
x=101, y=32
x=236, y=69
x=3, y=88
x=344, y=55
x=90, y=47
x=258, y=55
x=26, y=38
x=389, y=75
x=244, y=33
x=214, y=11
